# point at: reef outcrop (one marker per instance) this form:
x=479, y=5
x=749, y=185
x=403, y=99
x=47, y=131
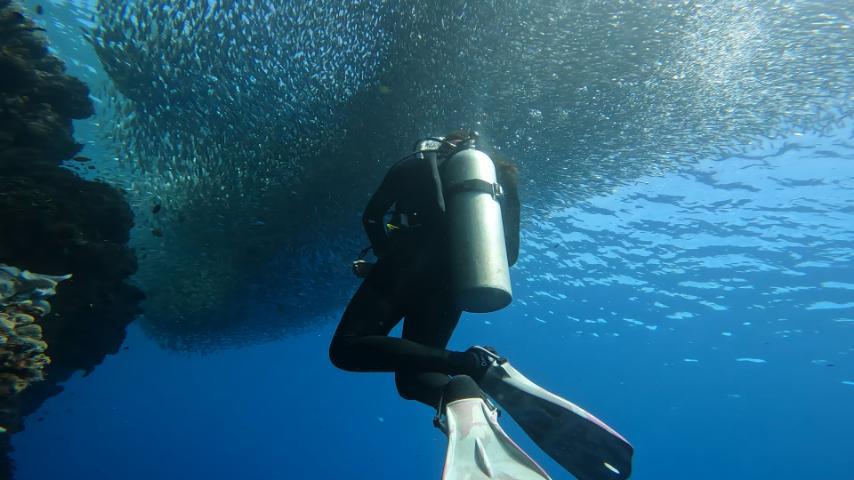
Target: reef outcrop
x=55, y=223
x=22, y=349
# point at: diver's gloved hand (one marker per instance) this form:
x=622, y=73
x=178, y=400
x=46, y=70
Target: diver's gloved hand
x=361, y=268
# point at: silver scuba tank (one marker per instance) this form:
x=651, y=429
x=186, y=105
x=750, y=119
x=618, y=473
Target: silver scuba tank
x=479, y=271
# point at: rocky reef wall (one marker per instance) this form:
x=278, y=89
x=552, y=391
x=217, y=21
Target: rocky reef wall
x=56, y=223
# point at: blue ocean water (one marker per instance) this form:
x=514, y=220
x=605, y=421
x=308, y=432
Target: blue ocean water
x=706, y=313
x=717, y=340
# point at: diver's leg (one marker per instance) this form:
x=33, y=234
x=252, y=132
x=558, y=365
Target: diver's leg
x=431, y=323
x=361, y=342
x=425, y=387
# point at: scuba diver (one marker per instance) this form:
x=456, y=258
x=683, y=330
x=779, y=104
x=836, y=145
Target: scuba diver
x=444, y=226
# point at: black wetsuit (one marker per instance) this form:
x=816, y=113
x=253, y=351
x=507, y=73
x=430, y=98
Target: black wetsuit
x=409, y=281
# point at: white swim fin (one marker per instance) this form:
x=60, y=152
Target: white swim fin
x=478, y=449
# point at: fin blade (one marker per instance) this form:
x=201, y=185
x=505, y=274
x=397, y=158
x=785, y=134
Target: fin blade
x=481, y=459
x=581, y=443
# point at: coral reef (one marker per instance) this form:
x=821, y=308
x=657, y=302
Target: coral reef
x=38, y=99
x=56, y=223
x=22, y=349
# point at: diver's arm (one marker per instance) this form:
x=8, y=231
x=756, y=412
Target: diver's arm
x=373, y=220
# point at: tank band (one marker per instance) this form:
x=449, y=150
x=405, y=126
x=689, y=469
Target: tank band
x=476, y=185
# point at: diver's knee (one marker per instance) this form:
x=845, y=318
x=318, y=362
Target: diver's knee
x=407, y=385
x=341, y=353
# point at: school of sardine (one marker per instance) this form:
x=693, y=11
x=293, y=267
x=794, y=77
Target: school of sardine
x=261, y=127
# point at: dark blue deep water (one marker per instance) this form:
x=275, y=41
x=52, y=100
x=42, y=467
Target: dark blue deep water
x=705, y=311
